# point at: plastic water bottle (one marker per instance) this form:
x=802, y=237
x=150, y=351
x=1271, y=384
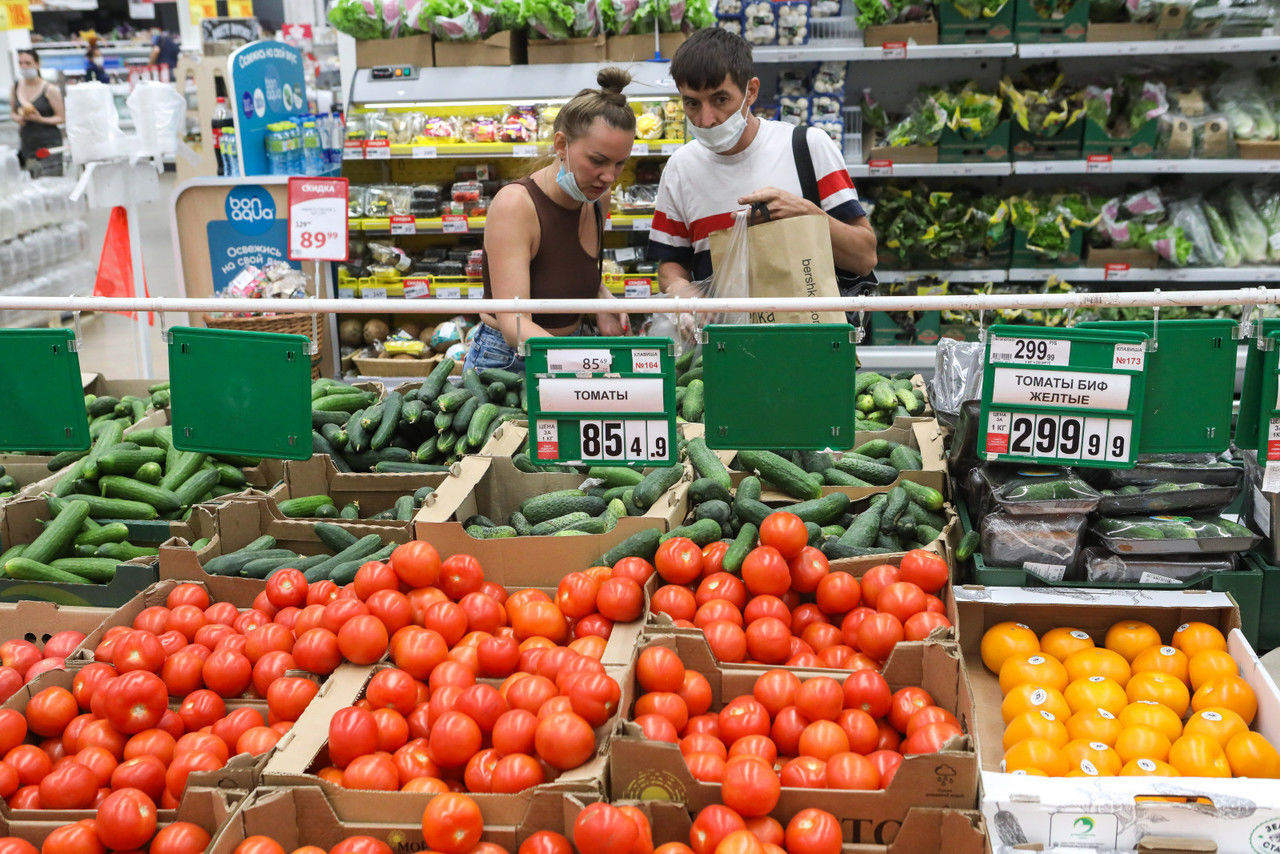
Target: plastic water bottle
x=293, y=135
x=230, y=145
x=337, y=139
x=277, y=150
x=220, y=122
x=313, y=159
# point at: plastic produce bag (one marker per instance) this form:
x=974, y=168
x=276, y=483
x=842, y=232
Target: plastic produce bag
x=1166, y=497
x=1102, y=565
x=159, y=113
x=1177, y=468
x=1189, y=215
x=1046, y=545
x=93, y=125
x=1266, y=201
x=1247, y=226
x=1163, y=528
x=957, y=374
x=1035, y=491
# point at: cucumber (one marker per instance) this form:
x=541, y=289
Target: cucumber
x=194, y=488
x=452, y=401
x=715, y=509
x=334, y=537
x=787, y=476
x=497, y=375
x=58, y=535
x=445, y=443
x=749, y=488
x=616, y=476
x=541, y=508
x=462, y=418
x=968, y=545
x=559, y=523
x=231, y=563
x=303, y=505
x=706, y=463
x=25, y=569
x=905, y=459
x=822, y=510
x=740, y=547
x=360, y=549
x=703, y=532
x=926, y=496
x=326, y=511
x=689, y=376
x=357, y=435
x=396, y=467
x=95, y=569
x=750, y=510
x=149, y=473
x=708, y=489
x=229, y=475
x=262, y=567
x=920, y=516
x=115, y=532
x=654, y=484
x=124, y=551
x=894, y=505
x=695, y=402
x=835, y=550
x=884, y=395
x=862, y=533
x=117, y=508
x=481, y=420
x=864, y=468
x=343, y=402
x=436, y=380
x=189, y=462
x=520, y=524
x=403, y=509
x=926, y=535
x=642, y=543
x=411, y=411
x=501, y=532
x=835, y=477
x=126, y=462
x=117, y=486
x=64, y=459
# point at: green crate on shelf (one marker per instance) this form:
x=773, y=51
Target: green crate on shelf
x=1269, y=602
x=1030, y=27
x=992, y=148
x=1246, y=585
x=1139, y=145
x=1065, y=145
x=956, y=28
x=1024, y=257
x=885, y=331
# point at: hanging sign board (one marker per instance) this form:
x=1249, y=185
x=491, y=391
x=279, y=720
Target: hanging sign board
x=604, y=401
x=267, y=85
x=1063, y=396
x=1193, y=360
x=234, y=392
x=1260, y=361
x=318, y=219
x=786, y=385
x=45, y=409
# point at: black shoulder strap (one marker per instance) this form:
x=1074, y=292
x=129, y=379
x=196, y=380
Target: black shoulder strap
x=595, y=206
x=804, y=164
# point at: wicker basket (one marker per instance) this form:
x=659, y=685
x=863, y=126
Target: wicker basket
x=287, y=324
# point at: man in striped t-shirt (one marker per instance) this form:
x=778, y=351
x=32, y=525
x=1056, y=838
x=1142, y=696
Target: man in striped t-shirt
x=738, y=160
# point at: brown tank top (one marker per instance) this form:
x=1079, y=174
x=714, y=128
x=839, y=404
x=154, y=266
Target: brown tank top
x=562, y=269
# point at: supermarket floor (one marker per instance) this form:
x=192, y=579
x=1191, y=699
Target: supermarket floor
x=108, y=340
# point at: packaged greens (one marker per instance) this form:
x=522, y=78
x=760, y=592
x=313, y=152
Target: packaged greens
x=1167, y=534
x=562, y=19
x=1036, y=491
x=1247, y=227
x=1189, y=215
x=1223, y=236
x=1266, y=201
x=1046, y=545
x=1039, y=102
x=1165, y=497
x=360, y=19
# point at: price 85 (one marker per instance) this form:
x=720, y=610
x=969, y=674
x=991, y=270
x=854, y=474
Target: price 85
x=1069, y=437
x=630, y=440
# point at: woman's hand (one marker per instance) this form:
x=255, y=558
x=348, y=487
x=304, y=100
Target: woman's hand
x=609, y=323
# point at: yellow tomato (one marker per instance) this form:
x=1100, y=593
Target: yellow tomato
x=1199, y=756
x=1062, y=642
x=1091, y=759
x=1094, y=725
x=1139, y=742
x=1130, y=637
x=1043, y=725
x=1148, y=713
x=1196, y=637
x=1218, y=723
x=1035, y=754
x=1161, y=688
x=1030, y=698
x=1005, y=640
x=1162, y=659
x=1229, y=692
x=1148, y=768
x=1097, y=662
x=1250, y=755
x=1039, y=669
x=1208, y=664
x=1096, y=692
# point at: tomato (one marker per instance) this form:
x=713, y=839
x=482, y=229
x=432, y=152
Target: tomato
x=785, y=532
x=454, y=739
x=460, y=575
x=317, y=650
x=727, y=641
x=838, y=593
x=765, y=571
x=375, y=772
x=288, y=696
x=360, y=845
x=69, y=786
x=930, y=737
x=417, y=563
x=750, y=786
x=126, y=820
x=181, y=837
x=135, y=701
x=363, y=639
x=202, y=742
x=906, y=702
x=696, y=692
x=150, y=742
x=564, y=741
x=787, y=726
x=675, y=601
x=823, y=739
x=541, y=842
x=604, y=827
x=711, y=826
x=620, y=599
x=227, y=672
x=808, y=568
x=232, y=728
x=861, y=730
x=259, y=845
x=714, y=610
x=820, y=698
x=392, y=688
x=352, y=732
x=679, y=561
x=813, y=831
x=595, y=696
x=50, y=710
x=902, y=599
x=14, y=845
x=851, y=771
x=769, y=640
x=10, y=682
x=867, y=690
x=742, y=716
x=878, y=634
x=452, y=823
x=78, y=838
x=515, y=773
x=541, y=618
x=920, y=625
x=721, y=585
x=145, y=773
x=776, y=689
x=372, y=577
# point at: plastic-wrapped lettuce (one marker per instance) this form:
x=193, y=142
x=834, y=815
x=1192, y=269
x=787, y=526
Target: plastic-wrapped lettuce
x=1231, y=254
x=1247, y=226
x=1190, y=216
x=360, y=19
x=1266, y=201
x=450, y=20
x=1242, y=99
x=562, y=19
x=922, y=126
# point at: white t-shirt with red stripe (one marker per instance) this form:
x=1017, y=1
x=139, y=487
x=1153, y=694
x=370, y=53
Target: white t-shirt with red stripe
x=700, y=189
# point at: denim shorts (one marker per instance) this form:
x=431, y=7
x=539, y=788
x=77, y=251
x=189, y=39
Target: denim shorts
x=490, y=350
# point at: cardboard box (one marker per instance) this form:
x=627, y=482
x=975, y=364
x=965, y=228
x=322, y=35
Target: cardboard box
x=29, y=470
x=408, y=50
x=1138, y=258
x=916, y=32
x=640, y=48
x=494, y=487
x=504, y=48
x=556, y=51
x=1031, y=27
x=1130, y=31
x=374, y=492
x=36, y=621
x=100, y=386
x=1257, y=149
x=646, y=770
x=1240, y=815
x=956, y=28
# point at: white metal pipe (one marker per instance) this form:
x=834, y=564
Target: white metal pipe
x=974, y=302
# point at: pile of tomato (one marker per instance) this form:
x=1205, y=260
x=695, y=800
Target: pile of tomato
x=787, y=607
x=453, y=824
x=1134, y=706
x=21, y=660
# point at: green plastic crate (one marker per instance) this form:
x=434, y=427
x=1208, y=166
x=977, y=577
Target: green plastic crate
x=955, y=28
x=1269, y=604
x=884, y=331
x=1139, y=145
x=1065, y=145
x=992, y=148
x=1030, y=27
x=1245, y=585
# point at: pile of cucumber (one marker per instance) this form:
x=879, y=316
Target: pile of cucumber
x=73, y=548
x=142, y=476
x=346, y=554
x=8, y=485
x=881, y=399
x=573, y=512
x=690, y=393
x=324, y=507
x=877, y=462
x=420, y=429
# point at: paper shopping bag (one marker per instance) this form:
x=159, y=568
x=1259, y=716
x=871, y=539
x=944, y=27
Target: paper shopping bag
x=782, y=258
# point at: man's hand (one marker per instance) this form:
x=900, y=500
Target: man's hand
x=611, y=325
x=781, y=204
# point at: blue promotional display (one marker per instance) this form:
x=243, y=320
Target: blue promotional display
x=269, y=95
x=251, y=235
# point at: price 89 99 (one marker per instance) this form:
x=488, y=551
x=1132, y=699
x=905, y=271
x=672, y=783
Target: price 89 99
x=1069, y=437
x=630, y=440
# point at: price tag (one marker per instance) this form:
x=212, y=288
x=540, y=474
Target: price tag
x=1065, y=438
x=455, y=224
x=1273, y=441
x=447, y=293
x=424, y=152
x=403, y=224
x=417, y=288
x=639, y=149
x=524, y=149
x=641, y=224
x=377, y=149
x=893, y=50
x=373, y=293
x=1132, y=357
x=1031, y=351
x=624, y=254
x=1116, y=273
x=879, y=167
x=1154, y=578
x=578, y=361
x=346, y=290
x=353, y=149
x=1096, y=163
x=637, y=287
x=548, y=439
x=646, y=361
x=318, y=219
x=475, y=292
x=669, y=148
x=623, y=441
x=1047, y=571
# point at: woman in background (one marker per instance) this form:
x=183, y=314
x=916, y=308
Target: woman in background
x=37, y=107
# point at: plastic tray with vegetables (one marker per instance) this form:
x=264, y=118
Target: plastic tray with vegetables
x=1164, y=497
x=1039, y=491
x=1178, y=468
x=1102, y=565
x=1153, y=535
x=1041, y=541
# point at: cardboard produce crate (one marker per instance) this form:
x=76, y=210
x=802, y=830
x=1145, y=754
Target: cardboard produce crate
x=887, y=35
x=36, y=621
x=1030, y=27
x=1238, y=814
x=493, y=486
x=505, y=48
x=1144, y=259
x=647, y=770
x=407, y=50
x=640, y=47
x=1128, y=31
x=555, y=51
x=372, y=491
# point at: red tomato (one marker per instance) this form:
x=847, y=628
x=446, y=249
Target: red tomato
x=878, y=634
x=452, y=823
x=151, y=742
x=541, y=842
x=392, y=688
x=713, y=557
x=886, y=763
x=750, y=786
x=317, y=650
x=454, y=739
x=786, y=729
x=289, y=695
x=785, y=532
x=838, y=593
x=135, y=701
x=78, y=838
x=808, y=568
x=10, y=682
x=139, y=650
x=564, y=741
x=696, y=692
x=804, y=772
x=759, y=746
x=126, y=820
x=820, y=698
x=50, y=710
x=417, y=563
x=727, y=640
x=765, y=571
x=595, y=696
x=515, y=773
x=145, y=773
x=721, y=585
x=227, y=672
x=483, y=704
x=742, y=716
x=363, y=639
x=604, y=827
x=188, y=594
x=460, y=575
x=930, y=737
x=372, y=577
x=498, y=656
x=374, y=771
x=513, y=732
x=769, y=640
x=902, y=599
x=287, y=588
x=867, y=690
x=657, y=728
x=352, y=732
x=621, y=599
x=924, y=568
x=705, y=767
x=360, y=845
x=675, y=601
x=417, y=650
x=861, y=730
x=259, y=845
x=776, y=689
x=679, y=561
x=876, y=579
x=851, y=771
x=804, y=616
x=231, y=729
x=69, y=786
x=711, y=826
x=181, y=837
x=906, y=702
x=814, y=831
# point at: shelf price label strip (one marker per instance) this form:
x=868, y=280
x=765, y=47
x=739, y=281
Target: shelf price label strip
x=1055, y=396
x=604, y=401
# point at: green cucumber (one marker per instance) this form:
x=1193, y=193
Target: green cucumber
x=654, y=484
x=968, y=545
x=193, y=489
x=344, y=402
x=703, y=532
x=559, y=523
x=643, y=543
x=708, y=489
x=115, y=532
x=64, y=459
x=906, y=459
x=822, y=510
x=706, y=463
x=124, y=551
x=749, y=488
x=740, y=547
x=117, y=486
x=58, y=535
x=435, y=382
x=303, y=505
x=396, y=467
x=835, y=477
x=480, y=422
x=96, y=569
x=25, y=569
x=925, y=496
x=785, y=475
x=695, y=400
x=334, y=537
x=616, y=476
x=231, y=563
x=189, y=462
x=360, y=549
x=126, y=462
x=390, y=420
x=149, y=473
x=862, y=533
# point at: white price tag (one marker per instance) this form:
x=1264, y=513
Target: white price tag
x=646, y=361
x=1270, y=480
x=403, y=224
x=1031, y=351
x=475, y=292
x=346, y=291
x=1047, y=571
x=353, y=150
x=548, y=439
x=377, y=149
x=1116, y=272
x=1077, y=389
x=1129, y=357
x=626, y=253
x=599, y=395
x=671, y=147
x=641, y=224
x=639, y=149
x=893, y=50
x=448, y=293
x=637, y=288
x=373, y=293
x=1097, y=163
x=318, y=219
x=579, y=361
x=879, y=168
x=1155, y=578
x=455, y=224
x=425, y=152
x=623, y=440
x=524, y=149
x=1059, y=437
x=416, y=288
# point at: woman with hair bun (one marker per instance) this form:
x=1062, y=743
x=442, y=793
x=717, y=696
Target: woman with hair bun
x=544, y=234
